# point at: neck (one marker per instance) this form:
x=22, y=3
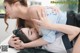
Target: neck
x=23, y=13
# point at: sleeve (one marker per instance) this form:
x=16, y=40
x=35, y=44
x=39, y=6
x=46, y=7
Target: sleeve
x=50, y=37
x=62, y=17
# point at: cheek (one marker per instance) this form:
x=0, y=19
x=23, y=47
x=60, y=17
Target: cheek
x=13, y=14
x=13, y=11
x=9, y=12
x=34, y=36
x=9, y=9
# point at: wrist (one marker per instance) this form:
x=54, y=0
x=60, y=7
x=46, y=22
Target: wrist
x=24, y=45
x=49, y=26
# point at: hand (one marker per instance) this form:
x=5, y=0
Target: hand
x=19, y=45
x=43, y=21
x=15, y=42
x=12, y=39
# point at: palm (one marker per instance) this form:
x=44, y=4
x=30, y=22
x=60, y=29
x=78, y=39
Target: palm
x=43, y=21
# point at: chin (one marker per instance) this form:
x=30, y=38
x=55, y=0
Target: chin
x=12, y=18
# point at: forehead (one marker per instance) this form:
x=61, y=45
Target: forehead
x=6, y=4
x=25, y=29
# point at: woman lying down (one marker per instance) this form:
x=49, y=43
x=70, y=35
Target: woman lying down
x=32, y=36
x=26, y=38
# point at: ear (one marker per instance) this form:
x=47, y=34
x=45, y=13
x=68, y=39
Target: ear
x=17, y=4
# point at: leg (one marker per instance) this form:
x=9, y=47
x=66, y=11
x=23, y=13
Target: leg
x=76, y=48
x=68, y=38
x=72, y=36
x=74, y=21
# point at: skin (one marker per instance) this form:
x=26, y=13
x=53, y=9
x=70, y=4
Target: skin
x=72, y=31
x=76, y=48
x=31, y=34
x=16, y=10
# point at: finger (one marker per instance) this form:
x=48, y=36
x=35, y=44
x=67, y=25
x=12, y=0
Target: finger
x=36, y=27
x=18, y=42
x=16, y=38
x=13, y=36
x=38, y=22
x=11, y=39
x=17, y=47
x=43, y=13
x=39, y=15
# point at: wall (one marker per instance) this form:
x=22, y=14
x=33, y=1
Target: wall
x=4, y=34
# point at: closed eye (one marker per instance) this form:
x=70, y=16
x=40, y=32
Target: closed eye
x=31, y=32
x=28, y=32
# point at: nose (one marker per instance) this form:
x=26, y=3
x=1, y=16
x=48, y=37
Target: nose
x=7, y=13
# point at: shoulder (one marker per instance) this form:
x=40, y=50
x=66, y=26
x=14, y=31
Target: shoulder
x=54, y=9
x=34, y=8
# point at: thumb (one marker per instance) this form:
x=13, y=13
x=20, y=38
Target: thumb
x=37, y=21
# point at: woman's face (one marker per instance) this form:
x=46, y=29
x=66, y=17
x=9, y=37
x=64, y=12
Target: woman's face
x=31, y=33
x=11, y=10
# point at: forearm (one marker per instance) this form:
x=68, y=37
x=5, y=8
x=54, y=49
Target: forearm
x=64, y=28
x=76, y=48
x=35, y=43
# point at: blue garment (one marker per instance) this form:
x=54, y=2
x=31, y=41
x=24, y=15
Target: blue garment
x=60, y=18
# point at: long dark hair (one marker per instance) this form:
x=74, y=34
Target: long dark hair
x=20, y=22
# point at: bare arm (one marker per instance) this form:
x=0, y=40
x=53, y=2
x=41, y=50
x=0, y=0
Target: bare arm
x=70, y=30
x=44, y=22
x=65, y=28
x=76, y=48
x=38, y=42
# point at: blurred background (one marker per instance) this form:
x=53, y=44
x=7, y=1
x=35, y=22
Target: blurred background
x=64, y=5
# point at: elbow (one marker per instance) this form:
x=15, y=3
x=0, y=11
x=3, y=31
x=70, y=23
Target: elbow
x=76, y=31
